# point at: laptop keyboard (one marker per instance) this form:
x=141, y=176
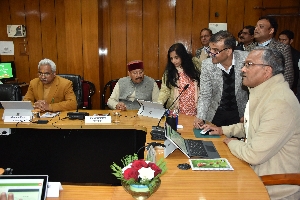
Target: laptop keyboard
x=196, y=148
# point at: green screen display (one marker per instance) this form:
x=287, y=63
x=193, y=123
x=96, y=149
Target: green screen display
x=6, y=70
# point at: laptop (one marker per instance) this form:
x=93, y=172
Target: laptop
x=25, y=187
x=17, y=108
x=151, y=109
x=191, y=148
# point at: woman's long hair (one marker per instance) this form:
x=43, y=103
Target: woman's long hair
x=186, y=63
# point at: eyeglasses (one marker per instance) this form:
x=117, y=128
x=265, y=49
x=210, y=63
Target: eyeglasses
x=208, y=51
x=44, y=74
x=249, y=64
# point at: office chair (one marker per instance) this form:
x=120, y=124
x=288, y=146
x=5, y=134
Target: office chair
x=88, y=89
x=281, y=179
x=77, y=86
x=109, y=85
x=10, y=92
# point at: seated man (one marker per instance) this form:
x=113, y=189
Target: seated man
x=271, y=122
x=50, y=92
x=135, y=86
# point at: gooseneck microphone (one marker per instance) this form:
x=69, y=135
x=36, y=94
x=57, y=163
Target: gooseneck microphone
x=158, y=132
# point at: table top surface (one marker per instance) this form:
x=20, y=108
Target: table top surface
x=241, y=183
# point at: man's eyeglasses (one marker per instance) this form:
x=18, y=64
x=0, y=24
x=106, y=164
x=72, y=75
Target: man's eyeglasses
x=249, y=64
x=208, y=51
x=44, y=74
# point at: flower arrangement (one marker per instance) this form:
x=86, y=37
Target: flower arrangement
x=139, y=172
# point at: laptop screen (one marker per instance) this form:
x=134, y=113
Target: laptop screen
x=25, y=187
x=175, y=138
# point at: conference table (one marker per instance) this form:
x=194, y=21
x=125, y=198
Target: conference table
x=241, y=183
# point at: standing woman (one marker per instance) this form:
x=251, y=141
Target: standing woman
x=179, y=72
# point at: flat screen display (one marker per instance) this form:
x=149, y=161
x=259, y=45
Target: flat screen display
x=7, y=71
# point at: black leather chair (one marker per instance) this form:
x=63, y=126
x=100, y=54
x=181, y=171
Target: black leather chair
x=110, y=85
x=77, y=86
x=10, y=92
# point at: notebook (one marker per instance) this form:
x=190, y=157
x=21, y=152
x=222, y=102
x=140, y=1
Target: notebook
x=25, y=187
x=191, y=148
x=16, y=108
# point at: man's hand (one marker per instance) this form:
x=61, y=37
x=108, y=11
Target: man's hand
x=198, y=123
x=227, y=140
x=121, y=106
x=42, y=105
x=214, y=129
x=3, y=196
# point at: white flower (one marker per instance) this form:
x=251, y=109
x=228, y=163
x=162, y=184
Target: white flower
x=128, y=166
x=146, y=173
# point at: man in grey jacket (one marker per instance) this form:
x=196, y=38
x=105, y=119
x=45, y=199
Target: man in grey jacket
x=135, y=86
x=222, y=98
x=271, y=126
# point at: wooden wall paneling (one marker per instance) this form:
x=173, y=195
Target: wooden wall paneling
x=60, y=37
x=106, y=43
x=34, y=35
x=274, y=3
x=219, y=6
x=74, y=36
x=184, y=23
x=150, y=38
x=251, y=14
x=5, y=20
x=17, y=10
x=200, y=21
x=293, y=4
x=134, y=20
x=290, y=23
x=90, y=46
x=235, y=19
x=166, y=31
x=118, y=39
x=49, y=47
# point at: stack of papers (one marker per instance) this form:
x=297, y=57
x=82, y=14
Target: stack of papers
x=210, y=164
x=49, y=114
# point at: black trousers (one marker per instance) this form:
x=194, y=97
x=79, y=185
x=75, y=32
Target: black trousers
x=225, y=118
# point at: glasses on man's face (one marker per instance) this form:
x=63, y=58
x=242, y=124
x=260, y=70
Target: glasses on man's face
x=44, y=74
x=249, y=64
x=208, y=51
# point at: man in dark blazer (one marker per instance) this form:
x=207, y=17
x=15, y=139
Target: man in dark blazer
x=222, y=99
x=50, y=92
x=264, y=33
x=287, y=37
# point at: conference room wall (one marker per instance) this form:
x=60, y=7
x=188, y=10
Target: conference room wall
x=71, y=32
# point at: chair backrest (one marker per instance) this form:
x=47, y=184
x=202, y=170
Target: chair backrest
x=110, y=85
x=281, y=179
x=158, y=82
x=77, y=86
x=10, y=92
x=88, y=89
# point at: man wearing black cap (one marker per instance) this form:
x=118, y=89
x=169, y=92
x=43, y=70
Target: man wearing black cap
x=135, y=86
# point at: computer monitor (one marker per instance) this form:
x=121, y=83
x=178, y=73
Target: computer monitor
x=7, y=71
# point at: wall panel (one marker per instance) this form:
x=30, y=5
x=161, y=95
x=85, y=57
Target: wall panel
x=150, y=38
x=5, y=14
x=134, y=36
x=200, y=21
x=218, y=7
x=251, y=14
x=235, y=19
x=34, y=36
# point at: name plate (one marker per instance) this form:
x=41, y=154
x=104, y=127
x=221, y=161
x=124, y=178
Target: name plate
x=97, y=119
x=17, y=118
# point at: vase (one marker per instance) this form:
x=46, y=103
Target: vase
x=141, y=192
